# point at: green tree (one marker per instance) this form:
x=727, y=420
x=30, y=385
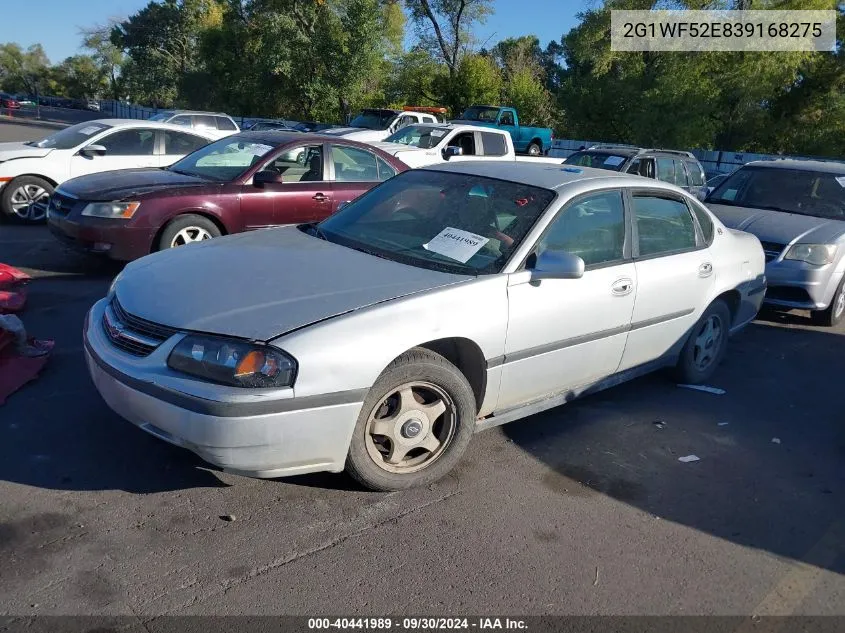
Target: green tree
x=521, y=61
x=23, y=70
x=80, y=77
x=478, y=80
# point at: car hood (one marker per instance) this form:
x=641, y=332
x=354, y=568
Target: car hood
x=395, y=149
x=779, y=227
x=262, y=284
x=9, y=151
x=127, y=183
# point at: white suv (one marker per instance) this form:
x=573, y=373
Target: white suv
x=216, y=123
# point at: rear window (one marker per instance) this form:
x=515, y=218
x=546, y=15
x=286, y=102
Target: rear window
x=225, y=123
x=599, y=160
x=205, y=121
x=494, y=144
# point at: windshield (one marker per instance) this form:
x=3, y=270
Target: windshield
x=599, y=160
x=70, y=137
x=423, y=136
x=223, y=160
x=161, y=116
x=488, y=115
x=268, y=125
x=439, y=220
x=789, y=190
x=373, y=120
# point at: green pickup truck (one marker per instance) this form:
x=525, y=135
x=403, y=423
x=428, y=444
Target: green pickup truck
x=533, y=141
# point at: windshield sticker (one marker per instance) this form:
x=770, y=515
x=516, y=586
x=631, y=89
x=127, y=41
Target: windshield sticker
x=91, y=129
x=573, y=170
x=438, y=133
x=456, y=244
x=613, y=161
x=841, y=180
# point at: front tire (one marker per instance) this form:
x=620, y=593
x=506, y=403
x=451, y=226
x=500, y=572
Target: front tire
x=706, y=346
x=25, y=199
x=187, y=229
x=835, y=311
x=534, y=149
x=415, y=425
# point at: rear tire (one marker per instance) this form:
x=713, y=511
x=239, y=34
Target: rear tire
x=706, y=346
x=187, y=229
x=835, y=311
x=534, y=149
x=25, y=199
x=415, y=425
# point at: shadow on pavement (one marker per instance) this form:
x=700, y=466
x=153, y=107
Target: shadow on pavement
x=772, y=478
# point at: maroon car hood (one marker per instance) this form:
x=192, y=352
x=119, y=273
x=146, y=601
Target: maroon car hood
x=129, y=183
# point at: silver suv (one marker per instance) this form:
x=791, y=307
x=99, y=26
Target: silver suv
x=672, y=166
x=217, y=123
x=797, y=210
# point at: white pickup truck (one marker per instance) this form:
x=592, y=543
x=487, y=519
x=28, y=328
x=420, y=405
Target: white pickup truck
x=429, y=144
x=375, y=124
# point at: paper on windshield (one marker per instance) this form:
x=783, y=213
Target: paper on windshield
x=841, y=180
x=613, y=161
x=91, y=129
x=438, y=133
x=456, y=244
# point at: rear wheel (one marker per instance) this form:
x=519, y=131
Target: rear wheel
x=187, y=229
x=25, y=199
x=835, y=311
x=534, y=149
x=706, y=346
x=415, y=424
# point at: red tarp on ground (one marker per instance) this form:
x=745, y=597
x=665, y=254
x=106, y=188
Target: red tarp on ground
x=16, y=371
x=12, y=290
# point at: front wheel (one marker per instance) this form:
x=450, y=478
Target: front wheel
x=835, y=311
x=187, y=229
x=534, y=149
x=415, y=424
x=25, y=199
x=706, y=346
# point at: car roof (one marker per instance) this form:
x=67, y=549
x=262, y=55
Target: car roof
x=130, y=123
x=828, y=167
x=282, y=137
x=193, y=112
x=549, y=175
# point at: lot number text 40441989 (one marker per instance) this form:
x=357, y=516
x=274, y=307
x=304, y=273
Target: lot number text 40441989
x=415, y=624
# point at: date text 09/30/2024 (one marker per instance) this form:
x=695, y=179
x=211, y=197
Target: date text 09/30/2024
x=415, y=624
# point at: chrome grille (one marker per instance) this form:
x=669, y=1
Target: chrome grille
x=132, y=334
x=772, y=250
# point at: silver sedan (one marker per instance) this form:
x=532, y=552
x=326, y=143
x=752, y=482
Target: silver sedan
x=443, y=302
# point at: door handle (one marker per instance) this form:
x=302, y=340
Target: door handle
x=705, y=270
x=622, y=287
x=320, y=197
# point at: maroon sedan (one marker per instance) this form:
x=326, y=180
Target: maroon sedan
x=242, y=182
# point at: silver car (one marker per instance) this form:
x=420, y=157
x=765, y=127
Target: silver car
x=797, y=209
x=444, y=301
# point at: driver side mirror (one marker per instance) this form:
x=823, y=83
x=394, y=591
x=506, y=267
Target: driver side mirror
x=557, y=264
x=267, y=176
x=451, y=150
x=90, y=151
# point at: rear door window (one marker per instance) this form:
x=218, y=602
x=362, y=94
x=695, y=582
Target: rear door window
x=664, y=225
x=680, y=174
x=135, y=142
x=205, y=121
x=493, y=144
x=666, y=170
x=352, y=164
x=225, y=123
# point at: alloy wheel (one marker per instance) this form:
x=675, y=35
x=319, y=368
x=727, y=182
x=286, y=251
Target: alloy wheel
x=189, y=234
x=411, y=427
x=708, y=340
x=29, y=202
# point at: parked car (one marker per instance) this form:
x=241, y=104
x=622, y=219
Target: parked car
x=93, y=105
x=248, y=181
x=713, y=182
x=429, y=144
x=8, y=101
x=375, y=124
x=446, y=300
x=268, y=124
x=534, y=141
x=25, y=100
x=797, y=209
x=216, y=123
x=30, y=171
x=672, y=166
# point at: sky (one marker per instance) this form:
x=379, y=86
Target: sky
x=57, y=23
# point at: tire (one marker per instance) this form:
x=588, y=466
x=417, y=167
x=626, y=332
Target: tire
x=17, y=199
x=412, y=388
x=698, y=360
x=835, y=311
x=534, y=149
x=185, y=226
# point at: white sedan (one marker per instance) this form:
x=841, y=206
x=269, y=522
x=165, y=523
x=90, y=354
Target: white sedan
x=444, y=301
x=30, y=171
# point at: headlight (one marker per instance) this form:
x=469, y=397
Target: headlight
x=123, y=210
x=815, y=254
x=231, y=362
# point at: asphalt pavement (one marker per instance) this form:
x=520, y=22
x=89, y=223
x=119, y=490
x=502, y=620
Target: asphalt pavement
x=581, y=510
